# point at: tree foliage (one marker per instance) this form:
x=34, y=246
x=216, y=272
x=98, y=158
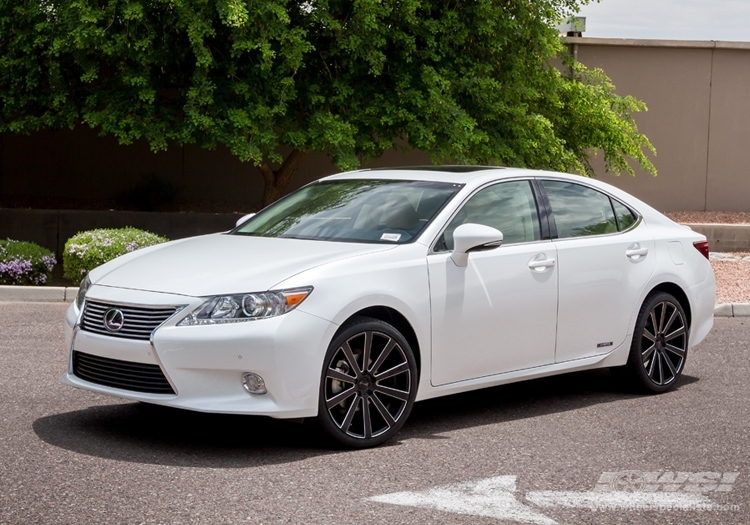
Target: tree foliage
x=467, y=82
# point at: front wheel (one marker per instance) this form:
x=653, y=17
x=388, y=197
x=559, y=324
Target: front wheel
x=368, y=384
x=660, y=344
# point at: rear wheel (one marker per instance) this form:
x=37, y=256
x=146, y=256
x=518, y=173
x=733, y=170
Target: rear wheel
x=368, y=384
x=660, y=344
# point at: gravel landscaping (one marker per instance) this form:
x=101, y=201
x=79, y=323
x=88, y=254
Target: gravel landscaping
x=732, y=277
x=710, y=217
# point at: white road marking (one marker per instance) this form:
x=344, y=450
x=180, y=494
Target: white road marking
x=620, y=500
x=496, y=498
x=491, y=498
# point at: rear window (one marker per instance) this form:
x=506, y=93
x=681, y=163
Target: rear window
x=625, y=216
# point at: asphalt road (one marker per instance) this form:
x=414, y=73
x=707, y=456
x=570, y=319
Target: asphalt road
x=574, y=449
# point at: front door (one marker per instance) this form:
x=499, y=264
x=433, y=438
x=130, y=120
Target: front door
x=498, y=313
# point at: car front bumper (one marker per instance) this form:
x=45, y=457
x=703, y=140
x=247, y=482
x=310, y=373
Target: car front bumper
x=205, y=364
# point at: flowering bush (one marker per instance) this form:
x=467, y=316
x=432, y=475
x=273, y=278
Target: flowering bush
x=86, y=250
x=25, y=263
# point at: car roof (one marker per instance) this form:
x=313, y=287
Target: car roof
x=475, y=176
x=452, y=174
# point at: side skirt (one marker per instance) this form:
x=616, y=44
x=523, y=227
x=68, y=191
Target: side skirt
x=616, y=357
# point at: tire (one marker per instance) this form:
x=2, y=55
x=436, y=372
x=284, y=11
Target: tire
x=660, y=344
x=368, y=384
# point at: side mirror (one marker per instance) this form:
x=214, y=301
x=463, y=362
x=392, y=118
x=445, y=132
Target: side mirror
x=243, y=219
x=473, y=238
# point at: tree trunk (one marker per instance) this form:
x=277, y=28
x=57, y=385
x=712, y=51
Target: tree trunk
x=276, y=181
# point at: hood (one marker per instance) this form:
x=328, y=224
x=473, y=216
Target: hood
x=223, y=264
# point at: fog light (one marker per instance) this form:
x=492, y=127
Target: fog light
x=254, y=384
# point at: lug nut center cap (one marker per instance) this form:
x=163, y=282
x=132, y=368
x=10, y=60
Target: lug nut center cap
x=364, y=383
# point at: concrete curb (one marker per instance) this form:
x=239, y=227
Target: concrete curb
x=38, y=294
x=57, y=294
x=732, y=310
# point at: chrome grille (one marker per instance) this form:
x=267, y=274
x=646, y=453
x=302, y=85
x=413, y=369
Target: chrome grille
x=138, y=377
x=138, y=321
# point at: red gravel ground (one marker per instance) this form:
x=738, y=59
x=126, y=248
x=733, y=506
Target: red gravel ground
x=732, y=280
x=710, y=217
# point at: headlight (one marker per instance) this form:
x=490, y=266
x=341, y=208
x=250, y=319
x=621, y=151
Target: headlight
x=82, y=289
x=246, y=307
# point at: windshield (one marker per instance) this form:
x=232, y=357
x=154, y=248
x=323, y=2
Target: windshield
x=373, y=211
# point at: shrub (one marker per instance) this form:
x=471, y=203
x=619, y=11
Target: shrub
x=86, y=250
x=25, y=263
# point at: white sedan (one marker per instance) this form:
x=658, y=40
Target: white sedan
x=363, y=292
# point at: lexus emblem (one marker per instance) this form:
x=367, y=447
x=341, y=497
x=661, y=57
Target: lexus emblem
x=113, y=320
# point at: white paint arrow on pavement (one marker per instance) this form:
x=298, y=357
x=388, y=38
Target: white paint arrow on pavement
x=491, y=498
x=496, y=498
x=621, y=500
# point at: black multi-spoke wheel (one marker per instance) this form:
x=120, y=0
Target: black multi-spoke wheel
x=369, y=384
x=660, y=343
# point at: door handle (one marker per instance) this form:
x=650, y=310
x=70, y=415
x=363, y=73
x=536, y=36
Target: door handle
x=540, y=263
x=635, y=252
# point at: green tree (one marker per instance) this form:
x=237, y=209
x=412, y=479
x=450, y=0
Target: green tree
x=468, y=82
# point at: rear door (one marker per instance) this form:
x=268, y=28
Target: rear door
x=606, y=256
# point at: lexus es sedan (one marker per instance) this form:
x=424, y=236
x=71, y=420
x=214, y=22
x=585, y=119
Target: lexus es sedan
x=364, y=292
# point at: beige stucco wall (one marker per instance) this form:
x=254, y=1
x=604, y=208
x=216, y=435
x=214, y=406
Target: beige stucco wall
x=698, y=118
x=698, y=94
x=728, y=186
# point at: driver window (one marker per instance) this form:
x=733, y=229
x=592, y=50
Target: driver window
x=509, y=207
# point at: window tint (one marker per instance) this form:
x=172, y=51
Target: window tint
x=509, y=207
x=625, y=217
x=579, y=210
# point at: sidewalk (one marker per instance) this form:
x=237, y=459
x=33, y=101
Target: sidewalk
x=57, y=294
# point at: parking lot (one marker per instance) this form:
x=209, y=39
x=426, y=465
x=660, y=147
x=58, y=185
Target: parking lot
x=573, y=449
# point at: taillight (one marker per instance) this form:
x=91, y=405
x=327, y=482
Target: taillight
x=702, y=246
